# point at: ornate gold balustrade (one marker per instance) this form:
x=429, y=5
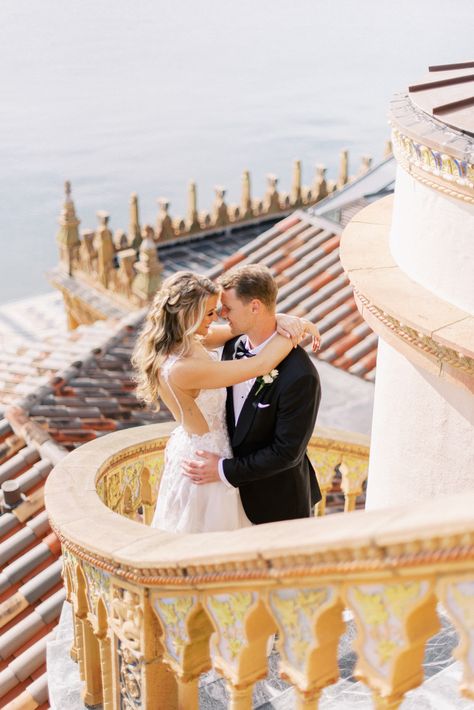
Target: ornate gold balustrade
x=128, y=483
x=154, y=610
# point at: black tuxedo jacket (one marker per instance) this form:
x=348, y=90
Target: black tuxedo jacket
x=270, y=465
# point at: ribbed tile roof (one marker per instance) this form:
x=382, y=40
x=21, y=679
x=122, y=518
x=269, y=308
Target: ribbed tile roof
x=87, y=400
x=31, y=592
x=302, y=251
x=202, y=253
x=25, y=364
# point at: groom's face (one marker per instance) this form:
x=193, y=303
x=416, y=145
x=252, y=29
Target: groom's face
x=239, y=314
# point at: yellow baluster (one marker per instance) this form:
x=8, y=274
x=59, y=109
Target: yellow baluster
x=394, y=621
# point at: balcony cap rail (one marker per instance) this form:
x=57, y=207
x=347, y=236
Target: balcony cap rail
x=438, y=531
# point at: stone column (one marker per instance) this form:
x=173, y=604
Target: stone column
x=343, y=169
x=148, y=268
x=164, y=224
x=422, y=442
x=295, y=195
x=134, y=231
x=410, y=259
x=319, y=188
x=104, y=245
x=68, y=235
x=220, y=213
x=271, y=200
x=246, y=200
x=192, y=220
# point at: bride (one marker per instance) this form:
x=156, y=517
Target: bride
x=175, y=360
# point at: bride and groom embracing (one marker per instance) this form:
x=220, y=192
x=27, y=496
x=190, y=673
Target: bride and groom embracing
x=238, y=455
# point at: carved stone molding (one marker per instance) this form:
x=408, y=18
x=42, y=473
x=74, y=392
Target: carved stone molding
x=426, y=344
x=426, y=329
x=434, y=153
x=435, y=169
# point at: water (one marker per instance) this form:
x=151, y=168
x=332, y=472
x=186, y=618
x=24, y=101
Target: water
x=121, y=96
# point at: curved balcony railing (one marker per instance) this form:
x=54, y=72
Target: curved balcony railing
x=435, y=334
x=154, y=610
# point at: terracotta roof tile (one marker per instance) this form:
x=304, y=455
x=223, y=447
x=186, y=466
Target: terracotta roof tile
x=24, y=367
x=34, y=697
x=302, y=252
x=330, y=354
x=18, y=463
x=23, y=665
x=24, y=538
x=23, y=631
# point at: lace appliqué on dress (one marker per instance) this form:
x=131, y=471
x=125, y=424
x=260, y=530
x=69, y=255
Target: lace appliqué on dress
x=183, y=506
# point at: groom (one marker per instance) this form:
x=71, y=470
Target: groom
x=269, y=422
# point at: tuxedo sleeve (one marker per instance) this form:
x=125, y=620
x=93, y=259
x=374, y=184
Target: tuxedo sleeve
x=295, y=419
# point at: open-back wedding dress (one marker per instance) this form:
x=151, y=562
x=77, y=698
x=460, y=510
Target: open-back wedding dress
x=182, y=505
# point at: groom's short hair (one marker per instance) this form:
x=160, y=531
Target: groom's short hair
x=251, y=281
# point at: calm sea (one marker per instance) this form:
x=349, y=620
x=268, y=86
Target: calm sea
x=121, y=96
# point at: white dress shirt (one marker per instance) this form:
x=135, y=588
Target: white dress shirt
x=240, y=392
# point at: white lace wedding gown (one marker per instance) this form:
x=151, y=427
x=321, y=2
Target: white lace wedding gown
x=182, y=505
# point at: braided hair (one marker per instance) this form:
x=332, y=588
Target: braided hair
x=170, y=325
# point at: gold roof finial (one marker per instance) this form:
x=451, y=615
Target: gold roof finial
x=68, y=235
x=295, y=194
x=134, y=231
x=192, y=219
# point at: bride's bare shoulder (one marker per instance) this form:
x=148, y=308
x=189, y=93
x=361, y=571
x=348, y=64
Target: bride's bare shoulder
x=187, y=362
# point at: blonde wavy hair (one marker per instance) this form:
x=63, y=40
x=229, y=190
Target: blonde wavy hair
x=170, y=326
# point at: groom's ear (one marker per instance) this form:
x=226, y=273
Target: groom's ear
x=256, y=305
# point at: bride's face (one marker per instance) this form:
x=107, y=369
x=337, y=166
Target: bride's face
x=209, y=316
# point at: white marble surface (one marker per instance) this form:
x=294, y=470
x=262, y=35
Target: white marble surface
x=63, y=673
x=438, y=692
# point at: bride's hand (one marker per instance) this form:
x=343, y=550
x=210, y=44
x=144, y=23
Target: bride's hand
x=290, y=327
x=297, y=328
x=312, y=330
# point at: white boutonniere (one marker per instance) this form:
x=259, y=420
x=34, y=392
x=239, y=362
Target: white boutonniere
x=264, y=380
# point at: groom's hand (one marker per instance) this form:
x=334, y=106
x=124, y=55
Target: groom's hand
x=203, y=471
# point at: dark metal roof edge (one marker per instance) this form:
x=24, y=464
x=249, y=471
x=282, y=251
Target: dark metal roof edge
x=326, y=204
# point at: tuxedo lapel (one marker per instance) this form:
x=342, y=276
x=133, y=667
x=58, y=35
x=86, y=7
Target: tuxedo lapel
x=238, y=432
x=229, y=410
x=249, y=410
x=247, y=414
x=228, y=354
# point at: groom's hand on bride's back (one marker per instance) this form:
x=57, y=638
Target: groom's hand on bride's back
x=204, y=469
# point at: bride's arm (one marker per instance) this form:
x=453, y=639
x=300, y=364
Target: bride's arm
x=196, y=373
x=290, y=326
x=217, y=335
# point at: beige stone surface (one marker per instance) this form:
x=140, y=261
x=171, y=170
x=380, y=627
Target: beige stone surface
x=379, y=212
x=385, y=292
x=433, y=520
x=397, y=295
x=372, y=253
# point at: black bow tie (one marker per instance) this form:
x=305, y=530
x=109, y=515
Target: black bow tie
x=242, y=351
